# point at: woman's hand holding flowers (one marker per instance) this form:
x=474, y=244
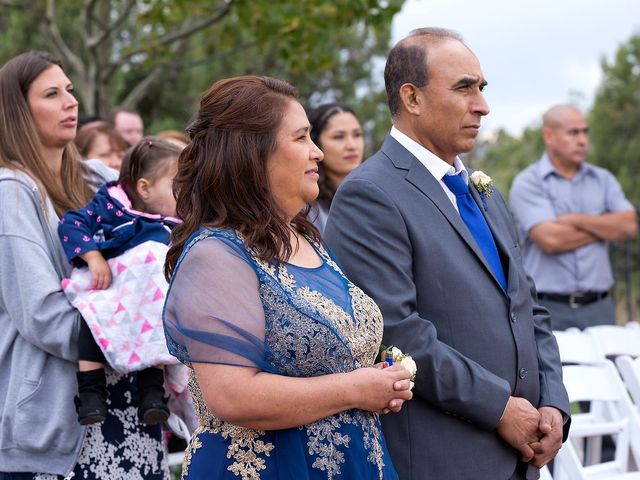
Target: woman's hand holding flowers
x=381, y=390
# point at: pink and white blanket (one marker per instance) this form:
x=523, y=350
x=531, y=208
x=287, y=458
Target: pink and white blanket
x=126, y=318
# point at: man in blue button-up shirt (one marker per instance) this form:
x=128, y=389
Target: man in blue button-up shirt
x=567, y=212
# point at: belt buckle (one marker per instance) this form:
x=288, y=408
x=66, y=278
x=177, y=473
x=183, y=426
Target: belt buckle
x=573, y=300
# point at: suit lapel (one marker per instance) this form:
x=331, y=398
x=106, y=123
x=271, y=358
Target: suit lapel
x=421, y=178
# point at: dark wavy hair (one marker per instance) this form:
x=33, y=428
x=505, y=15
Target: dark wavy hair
x=222, y=178
x=319, y=119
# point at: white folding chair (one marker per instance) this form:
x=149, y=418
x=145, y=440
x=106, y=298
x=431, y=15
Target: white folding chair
x=545, y=474
x=630, y=371
x=576, y=346
x=611, y=413
x=616, y=340
x=178, y=427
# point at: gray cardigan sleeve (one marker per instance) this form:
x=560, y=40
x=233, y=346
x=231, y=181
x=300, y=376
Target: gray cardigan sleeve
x=31, y=268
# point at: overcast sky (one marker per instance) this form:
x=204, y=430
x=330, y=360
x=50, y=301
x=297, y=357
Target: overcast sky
x=534, y=53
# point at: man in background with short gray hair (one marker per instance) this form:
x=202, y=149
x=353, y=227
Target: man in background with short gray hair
x=567, y=212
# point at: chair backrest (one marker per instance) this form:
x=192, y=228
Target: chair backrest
x=178, y=427
x=175, y=459
x=611, y=413
x=616, y=340
x=629, y=369
x=592, y=382
x=545, y=474
x=578, y=347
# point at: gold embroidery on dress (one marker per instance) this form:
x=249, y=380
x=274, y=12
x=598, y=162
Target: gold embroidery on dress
x=245, y=444
x=363, y=333
x=324, y=440
x=244, y=449
x=285, y=278
x=194, y=444
x=301, y=344
x=372, y=445
x=364, y=308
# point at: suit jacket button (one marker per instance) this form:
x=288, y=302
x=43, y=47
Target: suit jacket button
x=522, y=373
x=514, y=317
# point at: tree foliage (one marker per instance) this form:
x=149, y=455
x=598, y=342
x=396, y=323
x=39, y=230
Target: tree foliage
x=504, y=156
x=160, y=55
x=614, y=124
x=614, y=121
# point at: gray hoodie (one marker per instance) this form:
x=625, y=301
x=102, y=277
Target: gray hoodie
x=39, y=328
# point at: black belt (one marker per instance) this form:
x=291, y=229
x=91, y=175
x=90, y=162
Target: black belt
x=574, y=300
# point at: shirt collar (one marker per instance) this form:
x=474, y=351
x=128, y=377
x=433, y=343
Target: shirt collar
x=545, y=167
x=436, y=166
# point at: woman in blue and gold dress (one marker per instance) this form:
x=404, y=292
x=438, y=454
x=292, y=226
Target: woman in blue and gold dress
x=281, y=345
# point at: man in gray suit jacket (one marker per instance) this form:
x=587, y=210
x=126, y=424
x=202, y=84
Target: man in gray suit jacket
x=443, y=264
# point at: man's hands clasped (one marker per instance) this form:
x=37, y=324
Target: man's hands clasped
x=550, y=442
x=536, y=433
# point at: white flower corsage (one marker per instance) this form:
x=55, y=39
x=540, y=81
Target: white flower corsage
x=392, y=355
x=482, y=182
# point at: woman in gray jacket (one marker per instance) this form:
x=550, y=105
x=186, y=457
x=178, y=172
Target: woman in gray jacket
x=42, y=176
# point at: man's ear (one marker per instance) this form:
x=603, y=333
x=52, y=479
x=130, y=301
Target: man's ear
x=142, y=187
x=411, y=98
x=547, y=134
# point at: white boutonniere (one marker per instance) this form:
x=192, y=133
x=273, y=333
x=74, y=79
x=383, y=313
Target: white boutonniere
x=482, y=182
x=392, y=355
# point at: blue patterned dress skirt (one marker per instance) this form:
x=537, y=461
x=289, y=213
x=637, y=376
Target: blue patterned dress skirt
x=278, y=454
x=224, y=305
x=348, y=445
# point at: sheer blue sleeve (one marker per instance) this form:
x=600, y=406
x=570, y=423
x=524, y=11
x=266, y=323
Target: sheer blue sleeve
x=213, y=312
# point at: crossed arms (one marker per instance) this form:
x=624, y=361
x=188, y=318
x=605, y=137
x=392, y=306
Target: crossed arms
x=573, y=230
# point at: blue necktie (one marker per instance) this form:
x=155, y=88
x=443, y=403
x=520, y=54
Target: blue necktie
x=476, y=224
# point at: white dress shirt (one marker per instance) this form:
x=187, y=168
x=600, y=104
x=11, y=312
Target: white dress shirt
x=434, y=164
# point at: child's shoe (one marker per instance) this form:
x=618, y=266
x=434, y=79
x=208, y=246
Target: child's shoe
x=152, y=406
x=91, y=400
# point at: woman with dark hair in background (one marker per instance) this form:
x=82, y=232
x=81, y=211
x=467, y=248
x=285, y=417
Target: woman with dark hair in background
x=337, y=131
x=281, y=345
x=41, y=176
